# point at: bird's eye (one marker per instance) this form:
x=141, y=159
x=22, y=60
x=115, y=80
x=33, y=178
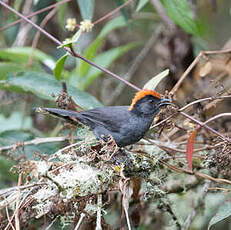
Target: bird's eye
x=150, y=101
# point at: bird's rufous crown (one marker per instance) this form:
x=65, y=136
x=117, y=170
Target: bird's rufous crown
x=143, y=93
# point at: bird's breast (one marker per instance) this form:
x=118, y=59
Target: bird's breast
x=133, y=130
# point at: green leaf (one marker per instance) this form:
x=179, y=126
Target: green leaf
x=74, y=39
x=22, y=55
x=112, y=25
x=104, y=60
x=44, y=86
x=224, y=212
x=76, y=36
x=9, y=67
x=15, y=121
x=86, y=8
x=179, y=11
x=152, y=83
x=15, y=135
x=141, y=4
x=90, y=52
x=59, y=66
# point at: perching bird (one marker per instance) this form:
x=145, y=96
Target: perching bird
x=126, y=124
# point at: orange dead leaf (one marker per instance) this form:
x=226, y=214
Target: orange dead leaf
x=190, y=148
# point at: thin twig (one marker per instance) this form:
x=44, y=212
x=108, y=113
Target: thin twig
x=35, y=141
x=219, y=189
x=34, y=14
x=99, y=207
x=82, y=215
x=217, y=180
x=32, y=23
x=160, y=9
x=3, y=192
x=9, y=220
x=217, y=116
x=38, y=33
x=196, y=121
x=202, y=100
x=166, y=146
x=6, y=228
x=173, y=167
x=17, y=222
x=188, y=105
x=184, y=75
x=201, y=175
x=52, y=222
x=124, y=188
x=213, y=104
x=112, y=12
x=206, y=126
x=63, y=149
x=24, y=28
x=104, y=70
x=193, y=64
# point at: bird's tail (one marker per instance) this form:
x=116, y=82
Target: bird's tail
x=67, y=115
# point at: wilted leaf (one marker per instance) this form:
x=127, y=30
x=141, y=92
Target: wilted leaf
x=206, y=69
x=190, y=148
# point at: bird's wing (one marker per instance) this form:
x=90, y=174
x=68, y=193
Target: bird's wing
x=110, y=117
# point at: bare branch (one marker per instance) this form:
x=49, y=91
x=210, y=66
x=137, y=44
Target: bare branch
x=82, y=216
x=34, y=14
x=36, y=141
x=112, y=12
x=98, y=219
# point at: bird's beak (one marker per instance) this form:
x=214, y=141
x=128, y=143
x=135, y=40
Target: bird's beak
x=165, y=101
